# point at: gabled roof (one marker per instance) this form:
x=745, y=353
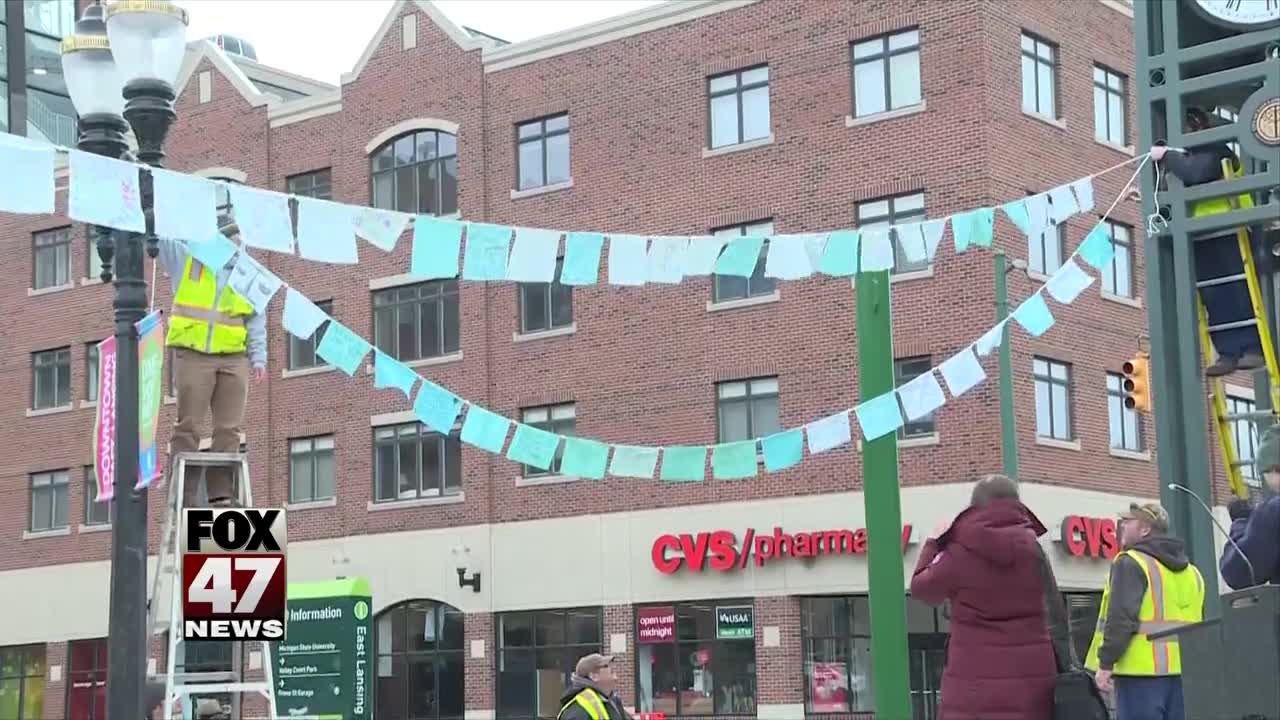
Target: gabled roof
x=201, y=50
x=455, y=33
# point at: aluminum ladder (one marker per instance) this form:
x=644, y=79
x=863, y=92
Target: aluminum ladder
x=185, y=684
x=1222, y=416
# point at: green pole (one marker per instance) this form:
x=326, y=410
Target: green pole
x=1008, y=433
x=885, y=579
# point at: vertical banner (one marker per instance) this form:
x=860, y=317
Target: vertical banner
x=104, y=425
x=150, y=389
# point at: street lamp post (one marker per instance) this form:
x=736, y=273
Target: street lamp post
x=120, y=65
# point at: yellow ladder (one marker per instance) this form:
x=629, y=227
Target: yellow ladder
x=1223, y=418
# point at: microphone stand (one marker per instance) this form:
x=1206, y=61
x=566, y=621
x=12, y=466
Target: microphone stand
x=1253, y=577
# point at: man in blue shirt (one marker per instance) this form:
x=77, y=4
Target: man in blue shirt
x=1256, y=530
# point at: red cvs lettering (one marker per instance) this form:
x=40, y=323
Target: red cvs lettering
x=1090, y=537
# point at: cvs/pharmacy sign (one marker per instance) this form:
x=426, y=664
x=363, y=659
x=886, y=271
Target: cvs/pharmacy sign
x=720, y=550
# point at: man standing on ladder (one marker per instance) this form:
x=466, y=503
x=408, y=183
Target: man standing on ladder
x=1219, y=265
x=218, y=340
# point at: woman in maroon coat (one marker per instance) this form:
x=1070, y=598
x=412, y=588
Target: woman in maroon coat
x=1000, y=662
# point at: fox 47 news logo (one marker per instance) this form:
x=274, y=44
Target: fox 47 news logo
x=233, y=574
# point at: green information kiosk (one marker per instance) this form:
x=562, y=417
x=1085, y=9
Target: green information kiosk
x=324, y=666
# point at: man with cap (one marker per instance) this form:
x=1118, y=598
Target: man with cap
x=218, y=341
x=1256, y=530
x=1152, y=587
x=1217, y=259
x=592, y=694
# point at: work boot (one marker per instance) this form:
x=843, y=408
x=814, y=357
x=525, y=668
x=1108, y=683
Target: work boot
x=1224, y=366
x=1251, y=361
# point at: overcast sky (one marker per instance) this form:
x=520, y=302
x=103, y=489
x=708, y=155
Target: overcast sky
x=322, y=39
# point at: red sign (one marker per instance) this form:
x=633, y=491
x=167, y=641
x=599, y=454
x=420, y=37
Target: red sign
x=720, y=550
x=657, y=625
x=235, y=589
x=1090, y=537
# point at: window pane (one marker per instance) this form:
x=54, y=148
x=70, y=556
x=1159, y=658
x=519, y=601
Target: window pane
x=530, y=158
x=734, y=422
x=729, y=287
x=384, y=191
x=1061, y=416
x=1123, y=273
x=868, y=84
x=533, y=306
x=426, y=146
x=1132, y=441
x=429, y=188
x=724, y=120
x=449, y=186
x=300, y=478
x=904, y=40
x=764, y=416
x=904, y=74
x=1100, y=113
x=723, y=82
x=757, y=75
x=559, y=122
x=1028, y=82
x=385, y=480
x=868, y=48
x=406, y=189
x=405, y=150
x=1115, y=113
x=1115, y=421
x=558, y=159
x=1045, y=95
x=1044, y=423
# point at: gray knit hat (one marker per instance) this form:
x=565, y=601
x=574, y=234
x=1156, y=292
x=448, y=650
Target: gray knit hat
x=1268, y=455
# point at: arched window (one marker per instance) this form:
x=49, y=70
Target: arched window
x=420, y=662
x=417, y=173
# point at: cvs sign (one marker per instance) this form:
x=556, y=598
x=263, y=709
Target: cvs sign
x=1090, y=537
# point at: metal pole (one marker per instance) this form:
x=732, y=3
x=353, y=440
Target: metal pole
x=885, y=580
x=1008, y=431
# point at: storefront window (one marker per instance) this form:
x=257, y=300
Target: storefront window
x=537, y=652
x=696, y=658
x=420, y=662
x=1083, y=610
x=87, y=680
x=837, y=654
x=22, y=682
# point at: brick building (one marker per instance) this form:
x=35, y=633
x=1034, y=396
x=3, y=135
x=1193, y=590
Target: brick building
x=682, y=118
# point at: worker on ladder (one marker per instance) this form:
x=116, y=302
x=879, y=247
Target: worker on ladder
x=218, y=341
x=1218, y=261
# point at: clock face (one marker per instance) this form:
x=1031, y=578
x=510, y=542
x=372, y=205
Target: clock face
x=1241, y=12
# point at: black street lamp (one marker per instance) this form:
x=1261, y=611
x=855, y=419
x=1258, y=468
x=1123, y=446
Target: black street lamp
x=120, y=65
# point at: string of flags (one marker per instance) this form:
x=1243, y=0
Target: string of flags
x=107, y=192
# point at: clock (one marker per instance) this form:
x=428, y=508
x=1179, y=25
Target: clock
x=1239, y=14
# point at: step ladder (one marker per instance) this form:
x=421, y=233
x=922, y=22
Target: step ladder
x=1223, y=418
x=183, y=685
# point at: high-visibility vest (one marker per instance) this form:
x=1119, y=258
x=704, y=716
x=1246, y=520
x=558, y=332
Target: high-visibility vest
x=591, y=701
x=1219, y=205
x=1172, y=599
x=197, y=325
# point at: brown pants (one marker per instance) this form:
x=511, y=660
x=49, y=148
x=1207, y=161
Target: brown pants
x=216, y=385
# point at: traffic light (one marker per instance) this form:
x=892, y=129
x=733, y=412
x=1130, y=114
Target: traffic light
x=1137, y=382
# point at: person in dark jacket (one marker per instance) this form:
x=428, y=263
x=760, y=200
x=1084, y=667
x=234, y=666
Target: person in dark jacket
x=592, y=694
x=1219, y=257
x=1256, y=530
x=988, y=564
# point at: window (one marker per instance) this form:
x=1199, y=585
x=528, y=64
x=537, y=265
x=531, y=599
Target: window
x=904, y=371
x=558, y=419
x=417, y=173
x=51, y=379
x=302, y=353
x=1109, y=103
x=50, y=114
x=411, y=461
x=417, y=321
x=1053, y=398
x=728, y=287
x=886, y=73
x=52, y=260
x=420, y=662
x=696, y=658
x=883, y=213
x=49, y=501
x=201, y=657
x=91, y=372
x=537, y=652
x=837, y=654
x=311, y=472
x=739, y=106
x=87, y=679
x=50, y=17
x=318, y=184
x=22, y=673
x=94, y=271
x=546, y=306
x=1044, y=251
x=542, y=152
x=747, y=409
x=1039, y=76
x=95, y=513
x=1082, y=612
x=1117, y=277
x=1126, y=431
x=1245, y=436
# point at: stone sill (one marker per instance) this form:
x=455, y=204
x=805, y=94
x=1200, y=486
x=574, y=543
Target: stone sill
x=569, y=329
x=1122, y=149
x=739, y=147
x=417, y=502
x=920, y=441
x=895, y=278
x=851, y=121
x=88, y=404
x=312, y=504
x=541, y=190
x=1054, y=122
x=97, y=528
x=50, y=290
x=304, y=372
x=40, y=534
x=86, y=282
x=424, y=362
x=536, y=480
x=1131, y=454
x=1059, y=444
x=49, y=411
x=1121, y=300
x=773, y=297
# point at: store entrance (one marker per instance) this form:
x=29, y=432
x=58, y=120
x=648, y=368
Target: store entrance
x=928, y=655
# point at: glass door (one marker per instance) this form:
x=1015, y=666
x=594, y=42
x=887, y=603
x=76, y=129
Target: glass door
x=928, y=653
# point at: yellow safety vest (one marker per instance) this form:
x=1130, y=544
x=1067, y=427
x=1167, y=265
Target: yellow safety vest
x=591, y=701
x=1172, y=599
x=1217, y=206
x=197, y=325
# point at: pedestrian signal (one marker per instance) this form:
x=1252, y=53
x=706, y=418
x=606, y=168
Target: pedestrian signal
x=1137, y=382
